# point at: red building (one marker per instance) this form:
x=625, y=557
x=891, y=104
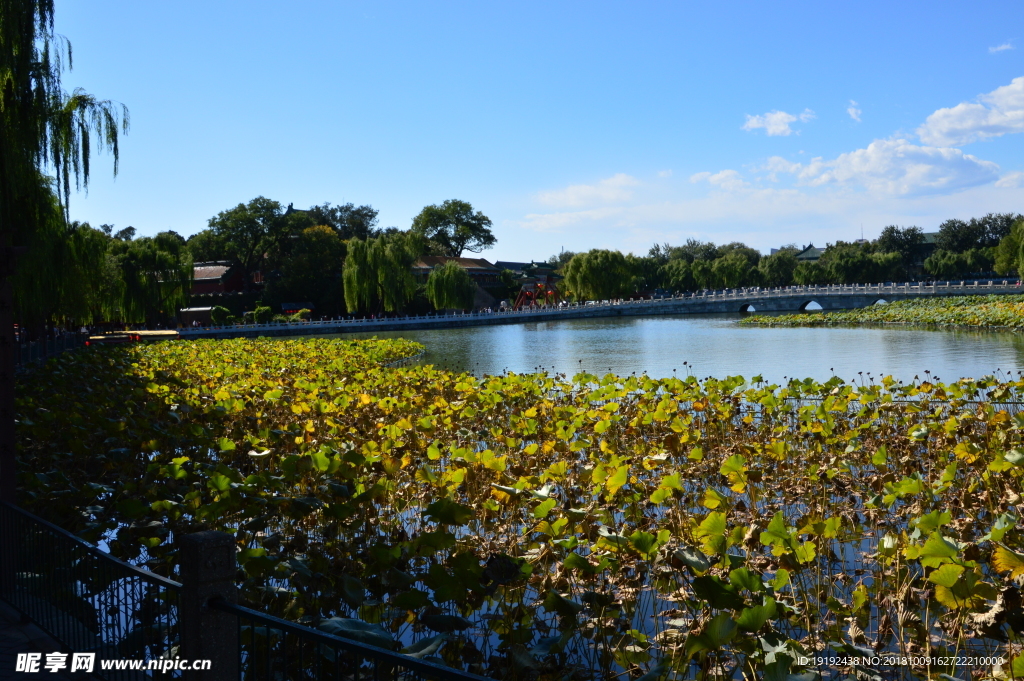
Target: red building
x=216, y=277
x=479, y=270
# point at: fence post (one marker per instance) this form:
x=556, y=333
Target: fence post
x=208, y=569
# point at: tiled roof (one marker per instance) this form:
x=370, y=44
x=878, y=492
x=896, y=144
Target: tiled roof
x=431, y=261
x=205, y=270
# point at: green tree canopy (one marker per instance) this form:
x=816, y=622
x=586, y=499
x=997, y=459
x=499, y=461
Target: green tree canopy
x=777, y=269
x=453, y=227
x=731, y=270
x=312, y=271
x=208, y=246
x=378, y=272
x=450, y=287
x=597, y=275
x=348, y=220
x=957, y=236
x=690, y=251
x=252, y=233
x=998, y=226
x=907, y=241
x=949, y=265
x=810, y=274
x=1008, y=256
x=156, y=276
x=560, y=259
x=677, y=275
x=646, y=273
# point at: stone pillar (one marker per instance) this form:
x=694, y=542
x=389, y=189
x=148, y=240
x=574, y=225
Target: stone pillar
x=208, y=569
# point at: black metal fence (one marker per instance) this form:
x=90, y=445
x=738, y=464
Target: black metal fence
x=273, y=648
x=38, y=351
x=86, y=599
x=91, y=602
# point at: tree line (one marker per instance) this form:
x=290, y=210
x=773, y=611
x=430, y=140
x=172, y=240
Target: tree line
x=337, y=259
x=991, y=244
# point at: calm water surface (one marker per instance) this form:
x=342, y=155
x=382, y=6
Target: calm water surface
x=715, y=345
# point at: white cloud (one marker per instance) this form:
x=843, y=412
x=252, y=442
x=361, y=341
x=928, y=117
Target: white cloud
x=854, y=111
x=994, y=114
x=664, y=173
x=1008, y=45
x=776, y=164
x=1011, y=180
x=609, y=190
x=776, y=123
x=894, y=166
x=729, y=180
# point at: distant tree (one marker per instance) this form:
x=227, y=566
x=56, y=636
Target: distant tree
x=156, y=274
x=703, y=274
x=560, y=259
x=453, y=227
x=907, y=241
x=678, y=275
x=810, y=274
x=946, y=264
x=692, y=250
x=855, y=263
x=348, y=220
x=751, y=255
x=598, y=275
x=957, y=236
x=126, y=234
x=730, y=270
x=378, y=272
x=208, y=246
x=949, y=265
x=450, y=287
x=646, y=273
x=1008, y=255
x=312, y=271
x=64, y=274
x=777, y=269
x=997, y=226
x=847, y=263
x=662, y=253
x=252, y=232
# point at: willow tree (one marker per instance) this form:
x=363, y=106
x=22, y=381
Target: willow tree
x=597, y=274
x=449, y=287
x=42, y=128
x=156, y=274
x=378, y=272
x=65, y=273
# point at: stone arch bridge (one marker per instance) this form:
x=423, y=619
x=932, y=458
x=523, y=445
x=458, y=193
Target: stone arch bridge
x=782, y=299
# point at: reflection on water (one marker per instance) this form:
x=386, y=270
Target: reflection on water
x=715, y=345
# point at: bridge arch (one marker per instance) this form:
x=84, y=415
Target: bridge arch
x=747, y=307
x=812, y=305
x=880, y=301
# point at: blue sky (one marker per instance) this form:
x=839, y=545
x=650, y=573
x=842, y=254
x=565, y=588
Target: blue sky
x=571, y=125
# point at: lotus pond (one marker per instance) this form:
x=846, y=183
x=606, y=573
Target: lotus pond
x=1002, y=312
x=545, y=526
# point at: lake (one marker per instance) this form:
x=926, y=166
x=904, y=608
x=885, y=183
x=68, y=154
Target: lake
x=715, y=345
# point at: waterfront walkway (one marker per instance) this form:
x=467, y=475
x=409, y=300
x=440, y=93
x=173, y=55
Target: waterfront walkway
x=17, y=637
x=781, y=299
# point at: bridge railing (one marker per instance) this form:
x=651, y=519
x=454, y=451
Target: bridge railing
x=736, y=294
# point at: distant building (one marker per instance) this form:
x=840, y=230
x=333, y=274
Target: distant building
x=810, y=254
x=542, y=272
x=216, y=277
x=478, y=269
x=195, y=316
x=292, y=308
x=929, y=245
